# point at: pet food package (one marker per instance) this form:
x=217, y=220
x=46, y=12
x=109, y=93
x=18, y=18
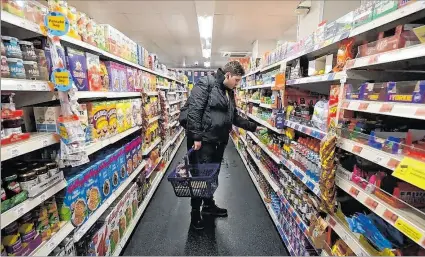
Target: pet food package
x=93, y=72
x=98, y=120
x=77, y=65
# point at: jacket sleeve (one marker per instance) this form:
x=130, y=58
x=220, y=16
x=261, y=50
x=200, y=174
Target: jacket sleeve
x=238, y=121
x=197, y=104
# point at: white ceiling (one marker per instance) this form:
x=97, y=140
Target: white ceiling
x=170, y=28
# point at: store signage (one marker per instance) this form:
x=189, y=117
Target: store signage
x=57, y=24
x=62, y=79
x=412, y=171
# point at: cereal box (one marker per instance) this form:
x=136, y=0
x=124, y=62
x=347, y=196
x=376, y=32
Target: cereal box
x=139, y=150
x=90, y=177
x=114, y=171
x=93, y=71
x=111, y=38
x=122, y=74
x=114, y=79
x=46, y=118
x=131, y=79
x=134, y=153
x=98, y=244
x=128, y=114
x=104, y=76
x=77, y=65
x=122, y=220
x=128, y=207
x=128, y=158
x=137, y=112
x=139, y=81
x=105, y=177
x=120, y=106
x=112, y=117
x=98, y=120
x=100, y=37
x=121, y=160
x=73, y=205
x=113, y=232
x=133, y=199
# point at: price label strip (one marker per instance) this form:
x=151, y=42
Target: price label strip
x=412, y=171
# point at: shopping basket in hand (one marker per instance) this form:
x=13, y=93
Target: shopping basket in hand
x=194, y=180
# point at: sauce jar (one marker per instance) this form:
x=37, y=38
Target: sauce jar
x=5, y=72
x=11, y=229
x=16, y=68
x=42, y=173
x=31, y=70
x=12, y=186
x=12, y=47
x=28, y=179
x=12, y=126
x=52, y=167
x=28, y=52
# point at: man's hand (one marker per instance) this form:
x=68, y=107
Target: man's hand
x=260, y=128
x=197, y=145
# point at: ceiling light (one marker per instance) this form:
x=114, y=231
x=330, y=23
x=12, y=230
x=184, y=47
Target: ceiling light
x=206, y=53
x=207, y=64
x=205, y=24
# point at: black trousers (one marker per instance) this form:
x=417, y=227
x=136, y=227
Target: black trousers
x=210, y=152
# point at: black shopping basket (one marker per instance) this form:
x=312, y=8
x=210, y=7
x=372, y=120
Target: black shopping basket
x=194, y=180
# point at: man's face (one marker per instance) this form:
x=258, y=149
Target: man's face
x=231, y=81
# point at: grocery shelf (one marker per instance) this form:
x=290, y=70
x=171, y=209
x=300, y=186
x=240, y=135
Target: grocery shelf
x=80, y=231
x=24, y=85
x=270, y=85
x=405, y=110
x=36, y=141
x=350, y=238
x=407, y=222
x=314, y=132
x=152, y=146
x=47, y=247
x=331, y=77
x=175, y=101
x=273, y=65
x=29, y=204
x=163, y=87
x=254, y=101
x=104, y=94
x=170, y=142
x=312, y=185
x=154, y=167
x=387, y=160
x=35, y=28
x=172, y=93
x=265, y=148
x=265, y=124
x=251, y=73
x=152, y=120
x=264, y=170
x=152, y=93
x=96, y=146
x=268, y=106
x=243, y=140
x=164, y=169
x=267, y=205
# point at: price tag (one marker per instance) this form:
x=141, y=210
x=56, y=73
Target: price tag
x=297, y=127
x=345, y=104
x=363, y=106
x=43, y=197
x=392, y=163
x=13, y=152
x=373, y=59
x=45, y=142
x=390, y=216
x=316, y=190
x=354, y=191
x=42, y=87
x=33, y=87
x=20, y=211
x=386, y=108
x=357, y=149
x=51, y=245
x=408, y=230
x=412, y=171
x=420, y=111
x=371, y=203
x=332, y=222
x=19, y=86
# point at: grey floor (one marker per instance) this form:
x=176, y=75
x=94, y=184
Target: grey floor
x=165, y=227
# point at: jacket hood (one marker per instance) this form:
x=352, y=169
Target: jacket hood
x=219, y=77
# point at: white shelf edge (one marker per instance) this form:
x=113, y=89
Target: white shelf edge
x=171, y=141
x=265, y=149
x=152, y=120
x=153, y=145
x=269, y=85
x=268, y=106
x=105, y=94
x=47, y=247
x=305, y=179
x=265, y=124
x=96, y=146
x=174, y=113
x=152, y=93
x=79, y=232
x=16, y=212
x=299, y=127
x=263, y=170
x=37, y=140
x=330, y=77
x=9, y=84
x=175, y=101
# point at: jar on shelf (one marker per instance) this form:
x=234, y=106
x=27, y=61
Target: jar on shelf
x=52, y=167
x=12, y=126
x=28, y=179
x=16, y=68
x=12, y=47
x=42, y=173
x=28, y=51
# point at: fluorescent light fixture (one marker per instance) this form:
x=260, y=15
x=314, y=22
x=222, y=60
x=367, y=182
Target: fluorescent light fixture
x=206, y=53
x=205, y=25
x=207, y=64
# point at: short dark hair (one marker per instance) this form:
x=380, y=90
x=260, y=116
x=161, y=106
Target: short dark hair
x=235, y=68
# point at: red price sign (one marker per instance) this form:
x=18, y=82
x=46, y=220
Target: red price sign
x=390, y=216
x=357, y=149
x=393, y=163
x=354, y=191
x=420, y=112
x=332, y=222
x=371, y=203
x=386, y=108
x=345, y=104
x=363, y=106
x=373, y=59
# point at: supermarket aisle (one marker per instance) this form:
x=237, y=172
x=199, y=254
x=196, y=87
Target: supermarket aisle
x=165, y=226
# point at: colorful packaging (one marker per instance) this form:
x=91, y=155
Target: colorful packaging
x=128, y=207
x=122, y=74
x=98, y=244
x=84, y=120
x=120, y=106
x=73, y=205
x=112, y=38
x=104, y=76
x=133, y=199
x=114, y=79
x=122, y=220
x=114, y=171
x=93, y=71
x=105, y=177
x=131, y=79
x=100, y=38
x=138, y=86
x=134, y=153
x=112, y=118
x=98, y=120
x=91, y=177
x=112, y=234
x=77, y=65
x=121, y=158
x=136, y=112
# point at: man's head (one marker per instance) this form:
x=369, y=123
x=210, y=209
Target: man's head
x=233, y=72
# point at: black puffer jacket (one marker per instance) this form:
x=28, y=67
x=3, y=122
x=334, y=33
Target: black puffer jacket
x=210, y=118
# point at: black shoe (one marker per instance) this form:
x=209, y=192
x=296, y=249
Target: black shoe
x=214, y=210
x=196, y=220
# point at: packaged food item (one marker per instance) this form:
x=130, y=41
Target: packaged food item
x=112, y=38
x=137, y=112
x=114, y=78
x=98, y=120
x=345, y=53
x=84, y=121
x=112, y=118
x=104, y=76
x=122, y=162
x=35, y=12
x=93, y=72
x=15, y=7
x=100, y=37
x=31, y=70
x=77, y=65
x=46, y=118
x=82, y=20
x=42, y=64
x=120, y=106
x=5, y=72
x=91, y=28
x=131, y=79
x=41, y=216
x=28, y=51
x=98, y=243
x=73, y=23
x=58, y=6
x=53, y=213
x=42, y=173
x=16, y=68
x=72, y=202
x=114, y=170
x=105, y=175
x=122, y=74
x=91, y=184
x=12, y=47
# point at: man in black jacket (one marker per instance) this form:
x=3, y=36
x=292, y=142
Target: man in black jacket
x=211, y=113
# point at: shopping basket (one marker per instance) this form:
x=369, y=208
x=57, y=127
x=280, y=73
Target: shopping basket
x=194, y=180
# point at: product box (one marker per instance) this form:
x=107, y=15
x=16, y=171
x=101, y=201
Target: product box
x=84, y=121
x=104, y=77
x=406, y=91
x=46, y=118
x=137, y=112
x=139, y=81
x=98, y=244
x=112, y=117
x=100, y=38
x=140, y=55
x=122, y=74
x=114, y=79
x=134, y=155
x=363, y=14
x=93, y=71
x=111, y=38
x=383, y=7
x=128, y=207
x=373, y=91
x=131, y=79
x=112, y=230
x=114, y=171
x=98, y=120
x=90, y=178
x=128, y=148
x=72, y=202
x=122, y=163
x=105, y=177
x=120, y=106
x=77, y=65
x=122, y=220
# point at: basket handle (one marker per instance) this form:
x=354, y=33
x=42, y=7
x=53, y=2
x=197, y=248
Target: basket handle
x=186, y=157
